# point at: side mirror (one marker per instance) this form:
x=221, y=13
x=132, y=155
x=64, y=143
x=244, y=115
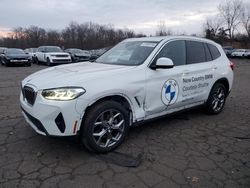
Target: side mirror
x=163, y=63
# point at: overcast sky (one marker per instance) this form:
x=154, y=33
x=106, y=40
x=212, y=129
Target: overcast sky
x=181, y=16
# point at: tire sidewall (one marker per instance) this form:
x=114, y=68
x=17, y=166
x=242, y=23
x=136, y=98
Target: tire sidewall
x=90, y=119
x=209, y=107
x=48, y=62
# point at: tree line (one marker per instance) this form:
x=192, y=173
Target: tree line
x=231, y=24
x=84, y=36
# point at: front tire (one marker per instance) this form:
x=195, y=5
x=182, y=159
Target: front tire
x=216, y=99
x=105, y=126
x=48, y=62
x=28, y=64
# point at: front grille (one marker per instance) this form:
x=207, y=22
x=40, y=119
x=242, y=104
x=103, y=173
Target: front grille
x=61, y=60
x=62, y=56
x=29, y=94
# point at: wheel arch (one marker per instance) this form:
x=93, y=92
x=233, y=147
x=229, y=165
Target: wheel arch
x=120, y=98
x=225, y=82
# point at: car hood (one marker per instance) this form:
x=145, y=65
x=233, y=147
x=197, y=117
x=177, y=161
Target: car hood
x=82, y=54
x=73, y=74
x=18, y=56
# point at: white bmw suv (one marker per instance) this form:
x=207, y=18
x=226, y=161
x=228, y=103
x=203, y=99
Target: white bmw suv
x=52, y=55
x=137, y=80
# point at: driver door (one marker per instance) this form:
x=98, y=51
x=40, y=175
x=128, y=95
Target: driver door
x=164, y=86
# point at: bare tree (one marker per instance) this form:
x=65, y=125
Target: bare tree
x=245, y=19
x=162, y=29
x=85, y=36
x=212, y=26
x=231, y=12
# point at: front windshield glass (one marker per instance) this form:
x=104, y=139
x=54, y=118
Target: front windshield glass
x=76, y=51
x=15, y=51
x=34, y=50
x=52, y=49
x=128, y=53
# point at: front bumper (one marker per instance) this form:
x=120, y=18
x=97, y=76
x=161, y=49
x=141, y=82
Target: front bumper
x=17, y=61
x=53, y=118
x=81, y=58
x=60, y=60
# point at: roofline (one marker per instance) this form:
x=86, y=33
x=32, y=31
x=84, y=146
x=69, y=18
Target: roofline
x=169, y=37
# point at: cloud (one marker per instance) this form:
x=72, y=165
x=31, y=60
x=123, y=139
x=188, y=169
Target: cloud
x=139, y=15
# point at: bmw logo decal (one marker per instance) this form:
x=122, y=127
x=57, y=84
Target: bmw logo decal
x=170, y=91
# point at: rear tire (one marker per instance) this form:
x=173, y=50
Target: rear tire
x=216, y=99
x=105, y=126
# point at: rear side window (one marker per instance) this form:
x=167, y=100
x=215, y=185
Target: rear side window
x=175, y=51
x=214, y=51
x=207, y=52
x=195, y=52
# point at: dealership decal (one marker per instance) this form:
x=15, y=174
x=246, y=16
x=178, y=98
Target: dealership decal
x=194, y=85
x=170, y=91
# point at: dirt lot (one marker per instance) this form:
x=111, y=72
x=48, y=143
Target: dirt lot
x=188, y=150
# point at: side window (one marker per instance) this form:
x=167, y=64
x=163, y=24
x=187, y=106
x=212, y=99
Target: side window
x=195, y=52
x=39, y=49
x=208, y=54
x=214, y=51
x=176, y=51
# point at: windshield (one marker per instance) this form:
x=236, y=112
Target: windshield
x=34, y=50
x=128, y=53
x=15, y=51
x=52, y=49
x=76, y=51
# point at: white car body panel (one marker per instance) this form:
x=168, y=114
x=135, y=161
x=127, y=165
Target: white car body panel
x=141, y=86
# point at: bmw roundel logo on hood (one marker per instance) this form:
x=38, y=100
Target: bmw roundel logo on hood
x=170, y=91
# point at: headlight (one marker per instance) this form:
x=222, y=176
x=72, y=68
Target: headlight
x=63, y=94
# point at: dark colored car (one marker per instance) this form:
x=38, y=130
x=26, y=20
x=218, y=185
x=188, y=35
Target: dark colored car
x=2, y=50
x=78, y=55
x=12, y=56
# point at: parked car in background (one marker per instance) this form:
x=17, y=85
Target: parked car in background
x=32, y=53
x=2, y=50
x=239, y=53
x=52, y=55
x=12, y=56
x=78, y=55
x=228, y=50
x=97, y=53
x=247, y=54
